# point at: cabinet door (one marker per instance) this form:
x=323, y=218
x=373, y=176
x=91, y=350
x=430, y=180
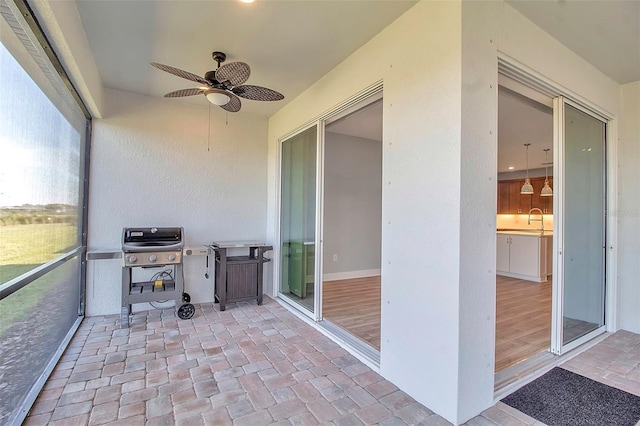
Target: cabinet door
x=524, y=256
x=518, y=203
x=543, y=203
x=503, y=198
x=502, y=252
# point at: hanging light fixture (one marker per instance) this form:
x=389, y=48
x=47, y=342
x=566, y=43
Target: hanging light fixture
x=546, y=189
x=527, y=188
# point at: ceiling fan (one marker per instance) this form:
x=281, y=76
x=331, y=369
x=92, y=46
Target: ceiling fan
x=222, y=86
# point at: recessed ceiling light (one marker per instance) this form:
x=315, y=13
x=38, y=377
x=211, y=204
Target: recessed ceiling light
x=510, y=167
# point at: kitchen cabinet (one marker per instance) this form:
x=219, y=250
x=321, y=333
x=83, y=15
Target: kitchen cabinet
x=511, y=201
x=523, y=255
x=543, y=203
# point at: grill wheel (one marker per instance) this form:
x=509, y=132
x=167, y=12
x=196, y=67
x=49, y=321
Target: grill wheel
x=186, y=311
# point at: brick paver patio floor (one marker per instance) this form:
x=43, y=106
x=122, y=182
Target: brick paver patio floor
x=249, y=365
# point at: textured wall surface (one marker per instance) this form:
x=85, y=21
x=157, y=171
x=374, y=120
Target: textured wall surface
x=628, y=213
x=439, y=189
x=152, y=164
x=418, y=58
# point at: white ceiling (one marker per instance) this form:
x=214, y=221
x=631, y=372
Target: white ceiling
x=289, y=45
x=520, y=121
x=604, y=32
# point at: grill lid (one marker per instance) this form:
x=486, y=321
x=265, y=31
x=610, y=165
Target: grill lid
x=152, y=238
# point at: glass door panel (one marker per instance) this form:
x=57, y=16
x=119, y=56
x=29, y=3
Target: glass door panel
x=583, y=223
x=298, y=217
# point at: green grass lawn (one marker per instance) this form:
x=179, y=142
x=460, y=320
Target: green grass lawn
x=22, y=248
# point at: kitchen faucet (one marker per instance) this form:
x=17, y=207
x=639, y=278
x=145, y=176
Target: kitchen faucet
x=541, y=220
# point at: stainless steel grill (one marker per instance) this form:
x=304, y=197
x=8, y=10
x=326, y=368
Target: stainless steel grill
x=153, y=248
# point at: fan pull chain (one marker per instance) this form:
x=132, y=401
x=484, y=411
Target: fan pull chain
x=226, y=118
x=209, y=131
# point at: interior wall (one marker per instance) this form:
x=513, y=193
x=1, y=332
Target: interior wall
x=352, y=207
x=418, y=58
x=628, y=212
x=152, y=164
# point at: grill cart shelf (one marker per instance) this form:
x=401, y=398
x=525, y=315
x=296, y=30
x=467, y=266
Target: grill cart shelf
x=239, y=278
x=150, y=291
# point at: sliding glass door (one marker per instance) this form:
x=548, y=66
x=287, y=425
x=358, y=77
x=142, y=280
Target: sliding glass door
x=582, y=248
x=298, y=218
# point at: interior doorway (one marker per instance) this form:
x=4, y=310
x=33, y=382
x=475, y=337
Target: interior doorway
x=352, y=221
x=330, y=221
x=551, y=256
x=524, y=222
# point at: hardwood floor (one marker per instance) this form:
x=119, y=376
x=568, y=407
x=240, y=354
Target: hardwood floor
x=523, y=320
x=354, y=305
x=523, y=314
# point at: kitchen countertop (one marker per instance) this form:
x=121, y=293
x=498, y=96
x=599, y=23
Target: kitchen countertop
x=532, y=232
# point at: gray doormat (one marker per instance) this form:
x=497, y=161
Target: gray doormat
x=563, y=398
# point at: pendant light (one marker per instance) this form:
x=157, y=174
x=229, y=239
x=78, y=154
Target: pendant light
x=546, y=189
x=527, y=189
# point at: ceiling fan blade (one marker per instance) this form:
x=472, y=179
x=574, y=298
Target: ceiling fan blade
x=183, y=92
x=233, y=105
x=180, y=73
x=235, y=73
x=257, y=93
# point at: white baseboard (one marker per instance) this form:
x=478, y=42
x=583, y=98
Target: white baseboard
x=336, y=276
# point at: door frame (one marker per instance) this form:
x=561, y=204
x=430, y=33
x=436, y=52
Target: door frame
x=532, y=84
x=557, y=338
x=277, y=269
x=350, y=104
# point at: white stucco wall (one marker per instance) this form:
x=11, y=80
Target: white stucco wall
x=491, y=29
x=628, y=212
x=150, y=166
x=418, y=57
x=440, y=124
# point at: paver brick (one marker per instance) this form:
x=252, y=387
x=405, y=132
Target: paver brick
x=71, y=410
x=138, y=396
x=159, y=406
x=104, y=413
x=251, y=365
x=287, y=409
x=261, y=398
x=257, y=418
x=132, y=410
x=76, y=397
x=322, y=410
x=240, y=408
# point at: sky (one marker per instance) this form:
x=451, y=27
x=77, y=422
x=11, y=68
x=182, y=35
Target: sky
x=39, y=148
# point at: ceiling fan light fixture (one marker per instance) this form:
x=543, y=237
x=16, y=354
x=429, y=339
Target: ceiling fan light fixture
x=217, y=97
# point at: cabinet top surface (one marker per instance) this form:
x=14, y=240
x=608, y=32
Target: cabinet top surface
x=528, y=233
x=239, y=244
